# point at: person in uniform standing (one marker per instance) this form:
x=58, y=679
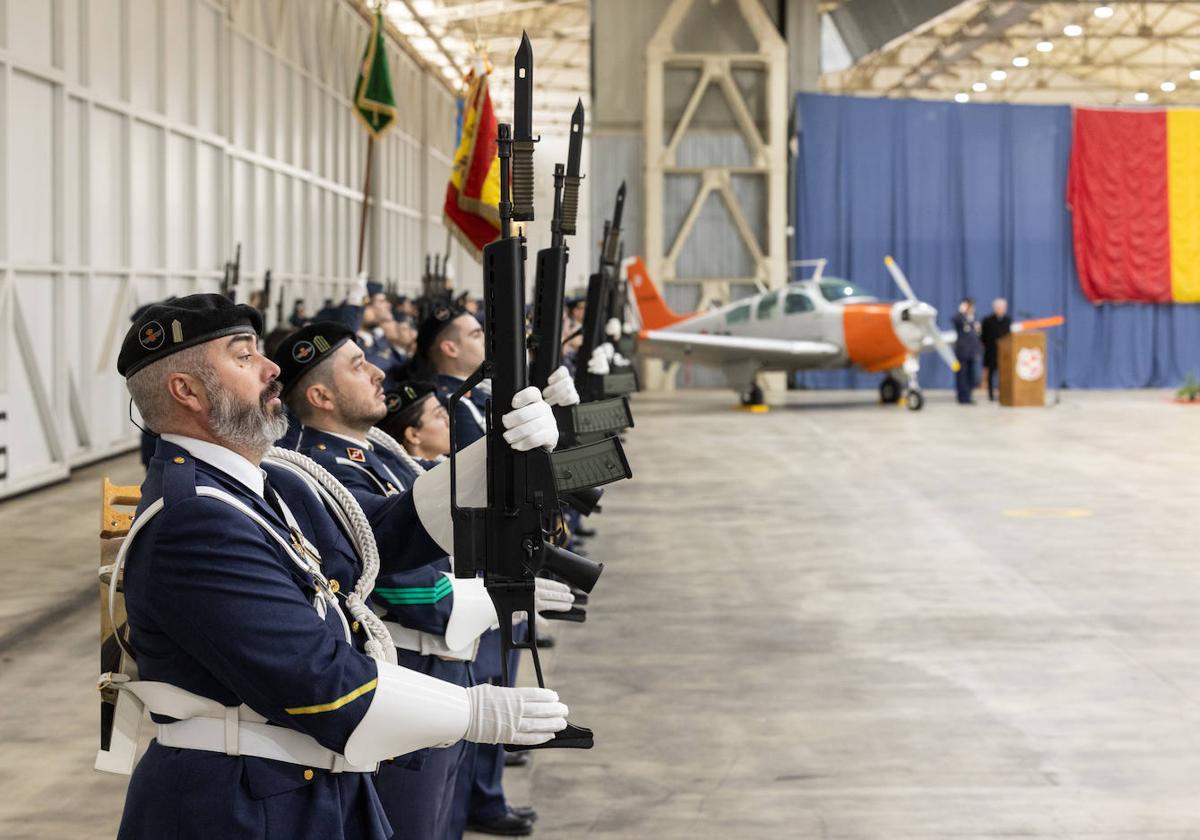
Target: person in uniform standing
x=271, y=716
x=451, y=342
x=994, y=327
x=329, y=384
x=967, y=348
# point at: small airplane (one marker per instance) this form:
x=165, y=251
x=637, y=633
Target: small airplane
x=818, y=323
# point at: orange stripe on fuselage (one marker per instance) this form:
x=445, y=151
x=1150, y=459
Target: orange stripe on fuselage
x=871, y=341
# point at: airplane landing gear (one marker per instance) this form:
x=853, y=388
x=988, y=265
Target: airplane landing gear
x=753, y=397
x=914, y=400
x=889, y=391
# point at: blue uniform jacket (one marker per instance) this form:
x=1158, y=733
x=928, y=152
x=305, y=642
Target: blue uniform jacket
x=419, y=598
x=218, y=608
x=468, y=426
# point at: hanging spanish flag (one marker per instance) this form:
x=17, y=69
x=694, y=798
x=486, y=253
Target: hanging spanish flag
x=471, y=210
x=1134, y=192
x=373, y=99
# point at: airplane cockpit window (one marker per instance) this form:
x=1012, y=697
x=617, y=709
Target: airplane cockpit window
x=766, y=306
x=835, y=289
x=797, y=302
x=738, y=314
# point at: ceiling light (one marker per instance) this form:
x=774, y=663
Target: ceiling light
x=962, y=97
x=979, y=87
x=1072, y=30
x=1020, y=61
x=1045, y=46
x=1167, y=87
x=1194, y=75
x=1141, y=96
x=1103, y=12
x=999, y=75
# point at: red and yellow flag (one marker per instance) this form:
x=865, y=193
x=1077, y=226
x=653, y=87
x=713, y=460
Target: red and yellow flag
x=471, y=210
x=1134, y=192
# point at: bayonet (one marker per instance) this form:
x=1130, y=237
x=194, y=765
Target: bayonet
x=522, y=133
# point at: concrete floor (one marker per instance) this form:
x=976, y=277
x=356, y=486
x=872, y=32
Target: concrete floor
x=835, y=620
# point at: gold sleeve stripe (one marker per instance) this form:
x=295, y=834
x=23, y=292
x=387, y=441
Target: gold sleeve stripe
x=336, y=704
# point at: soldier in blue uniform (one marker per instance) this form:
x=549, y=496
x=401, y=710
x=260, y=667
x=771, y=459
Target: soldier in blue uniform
x=451, y=342
x=270, y=716
x=329, y=384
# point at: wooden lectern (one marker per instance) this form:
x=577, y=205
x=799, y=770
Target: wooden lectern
x=1023, y=369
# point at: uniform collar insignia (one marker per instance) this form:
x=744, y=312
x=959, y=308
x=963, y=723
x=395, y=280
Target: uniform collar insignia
x=356, y=454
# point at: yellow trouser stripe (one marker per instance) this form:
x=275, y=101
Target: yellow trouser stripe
x=1183, y=184
x=336, y=704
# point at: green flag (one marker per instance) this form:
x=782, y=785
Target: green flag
x=373, y=99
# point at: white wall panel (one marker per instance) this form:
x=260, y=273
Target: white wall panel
x=208, y=63
x=30, y=170
x=179, y=60
x=30, y=36
x=74, y=186
x=181, y=202
x=106, y=171
x=145, y=49
x=176, y=129
x=145, y=181
x=209, y=211
x=106, y=51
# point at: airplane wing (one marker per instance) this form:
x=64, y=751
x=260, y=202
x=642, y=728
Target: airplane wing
x=723, y=349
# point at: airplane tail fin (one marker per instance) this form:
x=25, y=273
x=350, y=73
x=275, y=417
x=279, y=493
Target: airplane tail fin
x=654, y=312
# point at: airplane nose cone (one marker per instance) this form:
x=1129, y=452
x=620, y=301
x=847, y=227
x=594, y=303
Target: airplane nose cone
x=921, y=314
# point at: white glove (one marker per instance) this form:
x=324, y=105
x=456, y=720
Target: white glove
x=548, y=596
x=552, y=596
x=560, y=389
x=357, y=294
x=523, y=716
x=613, y=329
x=531, y=423
x=598, y=364
x=609, y=350
x=629, y=328
x=619, y=360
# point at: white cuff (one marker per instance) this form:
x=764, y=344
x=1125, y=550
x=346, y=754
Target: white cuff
x=431, y=492
x=473, y=613
x=409, y=711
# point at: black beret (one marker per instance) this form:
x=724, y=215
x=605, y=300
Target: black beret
x=401, y=396
x=403, y=403
x=432, y=326
x=173, y=325
x=304, y=349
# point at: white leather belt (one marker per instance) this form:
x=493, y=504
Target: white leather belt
x=205, y=724
x=427, y=644
x=261, y=740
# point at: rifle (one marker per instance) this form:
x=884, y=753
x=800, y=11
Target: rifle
x=233, y=274
x=507, y=540
x=588, y=420
x=593, y=386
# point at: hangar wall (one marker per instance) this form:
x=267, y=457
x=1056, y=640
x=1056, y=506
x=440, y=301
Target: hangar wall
x=142, y=139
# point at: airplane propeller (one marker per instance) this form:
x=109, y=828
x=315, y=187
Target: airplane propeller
x=922, y=315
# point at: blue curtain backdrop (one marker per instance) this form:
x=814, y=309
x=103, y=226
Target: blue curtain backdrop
x=971, y=201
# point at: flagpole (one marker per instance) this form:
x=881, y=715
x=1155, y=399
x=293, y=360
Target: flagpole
x=362, y=230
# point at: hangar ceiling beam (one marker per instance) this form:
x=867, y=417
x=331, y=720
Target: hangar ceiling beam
x=987, y=26
x=490, y=8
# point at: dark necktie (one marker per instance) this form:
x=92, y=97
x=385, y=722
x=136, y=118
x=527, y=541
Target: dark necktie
x=273, y=500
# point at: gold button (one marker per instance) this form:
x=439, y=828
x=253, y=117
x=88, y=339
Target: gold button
x=355, y=627
x=320, y=446
x=334, y=586
x=308, y=774
x=180, y=459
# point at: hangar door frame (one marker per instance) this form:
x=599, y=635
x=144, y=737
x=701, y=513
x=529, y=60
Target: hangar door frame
x=140, y=140
x=769, y=152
